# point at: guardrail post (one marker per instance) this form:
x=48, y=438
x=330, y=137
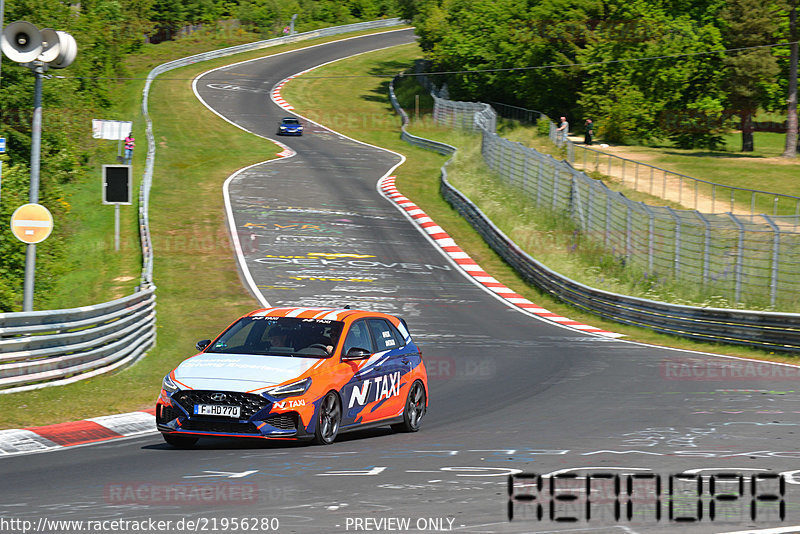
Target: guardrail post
x=575, y=201
x=590, y=206
x=677, y=256
x=739, y=258
x=776, y=250
x=628, y=228
x=508, y=162
x=651, y=231
x=555, y=186
x=525, y=171
x=706, y=245
x=713, y=198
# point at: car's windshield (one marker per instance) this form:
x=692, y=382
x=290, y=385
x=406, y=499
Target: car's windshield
x=279, y=336
x=291, y=121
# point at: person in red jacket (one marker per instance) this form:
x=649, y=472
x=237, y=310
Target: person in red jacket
x=130, y=142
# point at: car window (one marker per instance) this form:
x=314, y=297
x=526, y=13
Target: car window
x=280, y=336
x=236, y=338
x=386, y=337
x=358, y=336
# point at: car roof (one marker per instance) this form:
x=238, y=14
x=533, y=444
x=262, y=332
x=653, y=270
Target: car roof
x=332, y=314
x=290, y=119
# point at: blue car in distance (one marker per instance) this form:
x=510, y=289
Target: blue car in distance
x=290, y=126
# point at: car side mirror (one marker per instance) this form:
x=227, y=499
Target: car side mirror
x=202, y=344
x=357, y=353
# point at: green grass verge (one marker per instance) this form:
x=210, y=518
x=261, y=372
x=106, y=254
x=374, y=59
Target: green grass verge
x=199, y=291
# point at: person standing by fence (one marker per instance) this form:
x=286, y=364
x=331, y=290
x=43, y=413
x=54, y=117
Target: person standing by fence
x=588, y=132
x=130, y=142
x=563, y=130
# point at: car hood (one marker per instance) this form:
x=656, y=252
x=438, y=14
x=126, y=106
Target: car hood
x=240, y=372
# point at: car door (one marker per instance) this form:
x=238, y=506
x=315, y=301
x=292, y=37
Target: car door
x=393, y=367
x=360, y=390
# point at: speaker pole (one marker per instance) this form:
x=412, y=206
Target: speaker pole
x=2, y=20
x=33, y=196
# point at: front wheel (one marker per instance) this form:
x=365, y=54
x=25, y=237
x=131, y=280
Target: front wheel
x=414, y=410
x=180, y=442
x=329, y=417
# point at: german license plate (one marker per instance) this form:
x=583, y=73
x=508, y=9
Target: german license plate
x=217, y=409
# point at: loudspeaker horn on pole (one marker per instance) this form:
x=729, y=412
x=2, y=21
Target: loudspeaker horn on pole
x=50, y=45
x=68, y=49
x=21, y=42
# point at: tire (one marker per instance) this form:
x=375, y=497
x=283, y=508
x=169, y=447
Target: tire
x=329, y=418
x=414, y=410
x=180, y=442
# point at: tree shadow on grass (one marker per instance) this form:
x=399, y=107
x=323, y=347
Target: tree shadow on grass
x=715, y=154
x=387, y=70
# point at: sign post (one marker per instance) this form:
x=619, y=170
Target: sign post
x=117, y=191
x=2, y=147
x=112, y=130
x=31, y=223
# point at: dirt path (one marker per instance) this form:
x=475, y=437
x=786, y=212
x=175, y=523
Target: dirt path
x=671, y=188
x=643, y=179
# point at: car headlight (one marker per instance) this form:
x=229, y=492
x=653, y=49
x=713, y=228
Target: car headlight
x=295, y=388
x=169, y=385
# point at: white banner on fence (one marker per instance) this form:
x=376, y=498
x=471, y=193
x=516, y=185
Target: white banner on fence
x=114, y=130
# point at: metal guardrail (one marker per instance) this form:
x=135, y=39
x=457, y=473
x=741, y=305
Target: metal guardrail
x=766, y=330
x=44, y=348
x=55, y=347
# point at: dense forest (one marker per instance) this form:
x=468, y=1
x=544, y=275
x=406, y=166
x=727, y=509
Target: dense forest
x=641, y=69
x=107, y=32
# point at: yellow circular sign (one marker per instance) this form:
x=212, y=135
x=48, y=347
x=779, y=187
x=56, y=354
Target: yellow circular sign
x=32, y=223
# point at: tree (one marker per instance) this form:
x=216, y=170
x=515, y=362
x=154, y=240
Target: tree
x=634, y=90
x=748, y=23
x=790, y=150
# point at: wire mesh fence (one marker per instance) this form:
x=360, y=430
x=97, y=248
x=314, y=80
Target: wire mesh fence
x=747, y=258
x=690, y=192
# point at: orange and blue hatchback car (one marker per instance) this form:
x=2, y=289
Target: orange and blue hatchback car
x=296, y=373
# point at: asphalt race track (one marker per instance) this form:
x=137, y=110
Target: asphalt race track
x=508, y=393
